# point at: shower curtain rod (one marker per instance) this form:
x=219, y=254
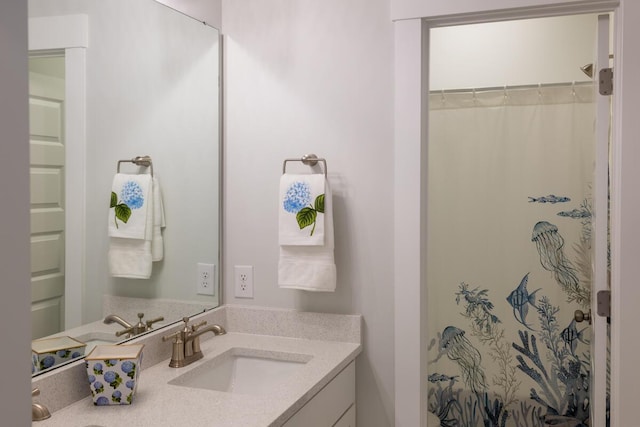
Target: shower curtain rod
x=515, y=87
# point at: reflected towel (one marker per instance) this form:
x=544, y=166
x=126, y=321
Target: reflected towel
x=157, y=243
x=311, y=268
x=130, y=203
x=301, y=213
x=131, y=257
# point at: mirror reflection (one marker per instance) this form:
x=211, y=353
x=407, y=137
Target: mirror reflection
x=110, y=81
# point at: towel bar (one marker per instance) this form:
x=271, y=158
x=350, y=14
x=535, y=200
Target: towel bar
x=309, y=160
x=140, y=161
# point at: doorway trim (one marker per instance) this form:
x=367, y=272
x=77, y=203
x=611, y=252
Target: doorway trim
x=70, y=34
x=410, y=135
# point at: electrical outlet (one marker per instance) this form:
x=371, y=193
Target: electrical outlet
x=244, y=281
x=205, y=279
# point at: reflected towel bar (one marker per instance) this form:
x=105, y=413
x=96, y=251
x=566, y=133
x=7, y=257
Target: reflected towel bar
x=309, y=160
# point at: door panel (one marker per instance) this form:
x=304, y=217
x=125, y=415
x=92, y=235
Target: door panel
x=47, y=203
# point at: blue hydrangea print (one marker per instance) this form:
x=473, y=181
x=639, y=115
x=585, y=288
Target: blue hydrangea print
x=102, y=401
x=130, y=384
x=132, y=198
x=129, y=368
x=132, y=195
x=298, y=195
x=297, y=200
x=76, y=354
x=98, y=387
x=47, y=362
x=112, y=378
x=116, y=396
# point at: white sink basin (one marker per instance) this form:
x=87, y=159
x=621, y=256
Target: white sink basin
x=244, y=371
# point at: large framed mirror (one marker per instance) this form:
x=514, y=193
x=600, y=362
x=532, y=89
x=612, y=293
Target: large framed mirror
x=111, y=81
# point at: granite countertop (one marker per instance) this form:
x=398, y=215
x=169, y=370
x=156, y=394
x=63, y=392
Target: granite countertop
x=158, y=403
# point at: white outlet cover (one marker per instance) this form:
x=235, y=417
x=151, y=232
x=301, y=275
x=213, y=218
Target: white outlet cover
x=205, y=279
x=243, y=281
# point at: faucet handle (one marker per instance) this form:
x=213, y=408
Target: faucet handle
x=175, y=335
x=152, y=321
x=125, y=331
x=198, y=325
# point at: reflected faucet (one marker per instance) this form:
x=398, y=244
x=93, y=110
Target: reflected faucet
x=129, y=329
x=186, y=344
x=112, y=318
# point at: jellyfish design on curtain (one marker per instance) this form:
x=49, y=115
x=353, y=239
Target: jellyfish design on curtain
x=468, y=358
x=550, y=247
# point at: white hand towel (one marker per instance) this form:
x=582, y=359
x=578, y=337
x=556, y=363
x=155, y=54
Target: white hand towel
x=311, y=268
x=157, y=243
x=130, y=196
x=301, y=212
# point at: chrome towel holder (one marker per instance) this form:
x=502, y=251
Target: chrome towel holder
x=140, y=161
x=308, y=159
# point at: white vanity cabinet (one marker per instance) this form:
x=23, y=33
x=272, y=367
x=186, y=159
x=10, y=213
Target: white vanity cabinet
x=333, y=406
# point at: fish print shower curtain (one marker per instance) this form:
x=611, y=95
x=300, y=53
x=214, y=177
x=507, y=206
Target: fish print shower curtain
x=509, y=256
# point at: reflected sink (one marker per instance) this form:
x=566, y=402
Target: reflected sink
x=92, y=339
x=244, y=371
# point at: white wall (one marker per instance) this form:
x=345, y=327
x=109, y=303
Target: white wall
x=15, y=322
x=304, y=76
x=209, y=11
x=523, y=52
x=151, y=90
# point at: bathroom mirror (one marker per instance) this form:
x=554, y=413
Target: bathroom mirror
x=109, y=81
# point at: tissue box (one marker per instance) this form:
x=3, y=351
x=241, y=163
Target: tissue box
x=113, y=372
x=49, y=352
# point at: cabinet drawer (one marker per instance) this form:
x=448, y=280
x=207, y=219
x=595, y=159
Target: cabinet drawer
x=348, y=419
x=326, y=407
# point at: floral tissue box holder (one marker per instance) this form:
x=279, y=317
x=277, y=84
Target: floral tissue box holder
x=113, y=372
x=48, y=352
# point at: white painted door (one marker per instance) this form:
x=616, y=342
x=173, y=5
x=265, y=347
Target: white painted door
x=47, y=154
x=599, y=341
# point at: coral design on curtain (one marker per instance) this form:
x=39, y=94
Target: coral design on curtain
x=509, y=255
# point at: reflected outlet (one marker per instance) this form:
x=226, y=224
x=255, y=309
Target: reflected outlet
x=205, y=279
x=243, y=281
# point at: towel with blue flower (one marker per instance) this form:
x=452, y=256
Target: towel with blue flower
x=301, y=218
x=306, y=234
x=130, y=196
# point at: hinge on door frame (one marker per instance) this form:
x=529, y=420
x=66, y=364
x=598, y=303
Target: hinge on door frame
x=603, y=302
x=605, y=79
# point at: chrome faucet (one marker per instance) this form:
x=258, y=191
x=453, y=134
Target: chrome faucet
x=39, y=412
x=131, y=330
x=186, y=342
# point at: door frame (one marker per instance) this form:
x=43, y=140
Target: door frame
x=70, y=34
x=411, y=66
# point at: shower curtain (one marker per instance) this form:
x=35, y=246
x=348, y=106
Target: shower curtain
x=509, y=255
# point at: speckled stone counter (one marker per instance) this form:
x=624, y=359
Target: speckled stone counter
x=331, y=342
